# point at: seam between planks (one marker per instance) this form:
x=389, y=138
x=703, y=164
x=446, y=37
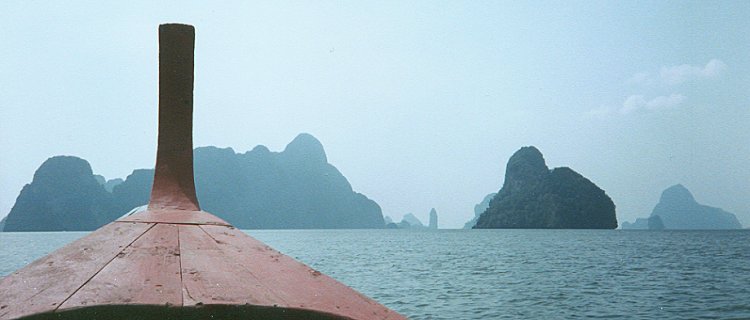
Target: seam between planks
x=185, y=290
x=182, y=284
x=182, y=223
x=104, y=266
x=208, y=234
x=260, y=282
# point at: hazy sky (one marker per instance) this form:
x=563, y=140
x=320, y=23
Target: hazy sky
x=419, y=104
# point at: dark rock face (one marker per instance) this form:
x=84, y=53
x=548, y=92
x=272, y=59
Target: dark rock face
x=134, y=191
x=107, y=184
x=678, y=210
x=63, y=196
x=525, y=170
x=479, y=208
x=433, y=219
x=111, y=184
x=295, y=189
x=100, y=179
x=535, y=197
x=260, y=189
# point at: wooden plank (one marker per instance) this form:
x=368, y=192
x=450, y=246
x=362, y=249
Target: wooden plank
x=298, y=285
x=175, y=216
x=146, y=272
x=45, y=283
x=210, y=276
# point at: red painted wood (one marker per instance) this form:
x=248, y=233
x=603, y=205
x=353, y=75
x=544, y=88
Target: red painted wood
x=45, y=283
x=176, y=217
x=294, y=283
x=174, y=187
x=210, y=276
x=146, y=272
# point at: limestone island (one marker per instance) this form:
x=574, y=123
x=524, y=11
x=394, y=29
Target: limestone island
x=677, y=209
x=296, y=188
x=535, y=197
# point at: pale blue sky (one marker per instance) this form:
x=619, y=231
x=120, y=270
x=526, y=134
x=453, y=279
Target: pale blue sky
x=419, y=104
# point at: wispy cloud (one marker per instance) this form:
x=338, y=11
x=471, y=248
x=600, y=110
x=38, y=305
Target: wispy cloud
x=639, y=102
x=678, y=74
x=682, y=73
x=656, y=83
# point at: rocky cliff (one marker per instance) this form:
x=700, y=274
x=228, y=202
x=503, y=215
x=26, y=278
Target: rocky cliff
x=479, y=208
x=64, y=195
x=533, y=196
x=433, y=219
x=295, y=188
x=134, y=191
x=410, y=221
x=678, y=209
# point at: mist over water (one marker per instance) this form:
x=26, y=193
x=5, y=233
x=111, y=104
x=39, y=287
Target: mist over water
x=636, y=96
x=509, y=274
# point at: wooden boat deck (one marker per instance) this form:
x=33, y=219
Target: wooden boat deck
x=174, y=261
x=140, y=260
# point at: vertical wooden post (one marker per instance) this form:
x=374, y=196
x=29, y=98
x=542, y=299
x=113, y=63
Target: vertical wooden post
x=174, y=186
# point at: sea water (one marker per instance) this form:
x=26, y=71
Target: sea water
x=509, y=274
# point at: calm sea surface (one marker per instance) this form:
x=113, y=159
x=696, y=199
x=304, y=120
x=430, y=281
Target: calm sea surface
x=509, y=274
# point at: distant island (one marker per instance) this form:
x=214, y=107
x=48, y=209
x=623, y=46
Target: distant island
x=650, y=223
x=479, y=208
x=433, y=219
x=64, y=195
x=677, y=209
x=533, y=196
x=410, y=221
x=293, y=189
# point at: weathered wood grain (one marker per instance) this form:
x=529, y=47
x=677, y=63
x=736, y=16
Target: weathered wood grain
x=210, y=276
x=46, y=283
x=293, y=282
x=146, y=272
